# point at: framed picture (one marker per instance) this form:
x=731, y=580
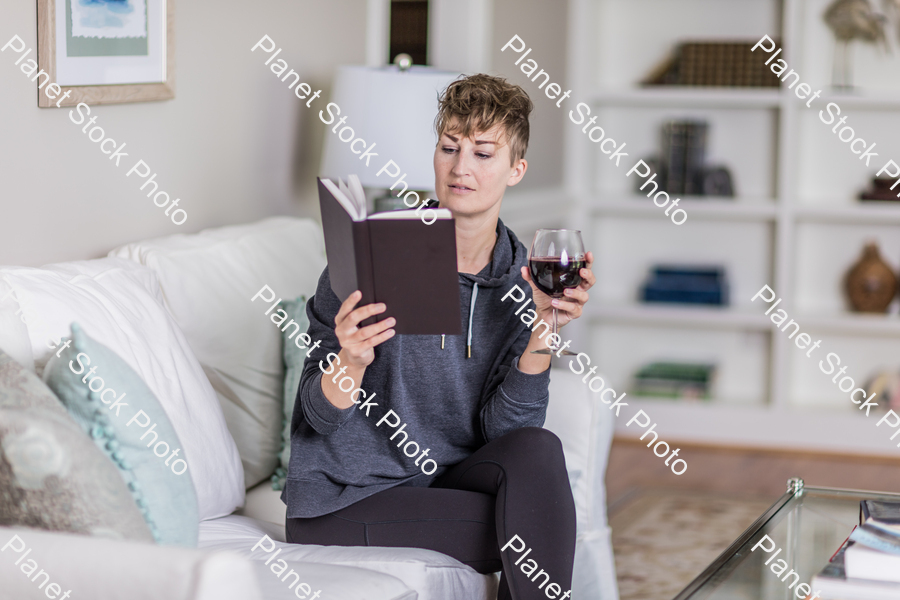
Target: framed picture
x=107, y=51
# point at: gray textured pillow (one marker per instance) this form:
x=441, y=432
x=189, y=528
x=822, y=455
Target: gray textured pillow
x=52, y=476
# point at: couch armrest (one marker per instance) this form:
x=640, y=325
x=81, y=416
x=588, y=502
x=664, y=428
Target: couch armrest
x=585, y=426
x=107, y=569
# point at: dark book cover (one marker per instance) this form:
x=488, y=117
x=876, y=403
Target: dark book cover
x=694, y=156
x=686, y=285
x=879, y=512
x=404, y=263
x=673, y=155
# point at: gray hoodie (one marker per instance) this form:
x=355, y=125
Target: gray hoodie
x=451, y=405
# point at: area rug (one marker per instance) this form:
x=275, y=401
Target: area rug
x=663, y=539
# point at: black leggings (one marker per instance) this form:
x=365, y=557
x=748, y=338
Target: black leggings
x=515, y=485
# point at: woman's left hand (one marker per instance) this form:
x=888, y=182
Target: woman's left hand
x=572, y=304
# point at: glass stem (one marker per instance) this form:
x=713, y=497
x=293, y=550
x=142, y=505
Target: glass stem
x=555, y=323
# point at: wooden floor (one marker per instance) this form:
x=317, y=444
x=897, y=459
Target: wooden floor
x=743, y=471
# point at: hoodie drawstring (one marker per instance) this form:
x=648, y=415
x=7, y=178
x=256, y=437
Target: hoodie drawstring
x=471, y=318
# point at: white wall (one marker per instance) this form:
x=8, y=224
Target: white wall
x=227, y=145
x=234, y=145
x=542, y=25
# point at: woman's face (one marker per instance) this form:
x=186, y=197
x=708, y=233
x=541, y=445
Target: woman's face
x=471, y=174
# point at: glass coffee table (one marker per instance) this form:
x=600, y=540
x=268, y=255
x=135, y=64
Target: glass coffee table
x=809, y=524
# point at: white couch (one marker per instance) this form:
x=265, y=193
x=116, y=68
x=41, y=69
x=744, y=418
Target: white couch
x=203, y=284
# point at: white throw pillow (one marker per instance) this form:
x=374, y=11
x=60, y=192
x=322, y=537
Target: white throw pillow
x=13, y=332
x=207, y=280
x=119, y=304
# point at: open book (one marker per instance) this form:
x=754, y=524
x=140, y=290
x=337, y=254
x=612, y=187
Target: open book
x=392, y=257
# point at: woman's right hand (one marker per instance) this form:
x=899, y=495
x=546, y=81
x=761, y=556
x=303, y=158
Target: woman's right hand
x=357, y=344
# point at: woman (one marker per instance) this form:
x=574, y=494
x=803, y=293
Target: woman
x=475, y=403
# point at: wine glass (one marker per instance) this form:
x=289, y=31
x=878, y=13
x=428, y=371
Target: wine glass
x=555, y=262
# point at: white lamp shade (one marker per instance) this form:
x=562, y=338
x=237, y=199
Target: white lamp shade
x=392, y=109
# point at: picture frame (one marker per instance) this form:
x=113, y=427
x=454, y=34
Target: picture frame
x=86, y=49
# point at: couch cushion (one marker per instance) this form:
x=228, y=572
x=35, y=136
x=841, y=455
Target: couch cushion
x=584, y=424
x=334, y=581
x=151, y=467
x=433, y=575
x=120, y=303
x=51, y=475
x=208, y=280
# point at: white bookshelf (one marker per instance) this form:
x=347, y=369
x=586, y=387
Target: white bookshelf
x=795, y=224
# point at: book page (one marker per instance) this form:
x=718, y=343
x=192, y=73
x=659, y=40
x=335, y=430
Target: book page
x=357, y=194
x=346, y=192
x=349, y=206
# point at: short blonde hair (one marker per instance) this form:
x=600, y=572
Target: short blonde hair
x=480, y=102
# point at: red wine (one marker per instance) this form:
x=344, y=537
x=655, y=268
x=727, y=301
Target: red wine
x=552, y=276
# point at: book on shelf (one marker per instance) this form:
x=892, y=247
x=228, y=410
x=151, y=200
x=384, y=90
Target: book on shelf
x=391, y=257
x=674, y=155
x=681, y=167
x=880, y=189
x=712, y=63
x=684, y=156
x=686, y=285
x=834, y=583
x=674, y=380
x=694, y=156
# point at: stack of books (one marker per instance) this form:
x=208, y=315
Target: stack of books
x=867, y=565
x=729, y=64
x=681, y=168
x=684, y=155
x=674, y=380
x=686, y=285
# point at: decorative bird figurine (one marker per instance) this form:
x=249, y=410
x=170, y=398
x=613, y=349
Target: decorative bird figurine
x=853, y=20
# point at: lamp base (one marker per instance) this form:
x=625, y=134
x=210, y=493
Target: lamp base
x=389, y=202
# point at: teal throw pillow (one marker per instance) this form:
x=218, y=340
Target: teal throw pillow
x=114, y=406
x=51, y=475
x=296, y=345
